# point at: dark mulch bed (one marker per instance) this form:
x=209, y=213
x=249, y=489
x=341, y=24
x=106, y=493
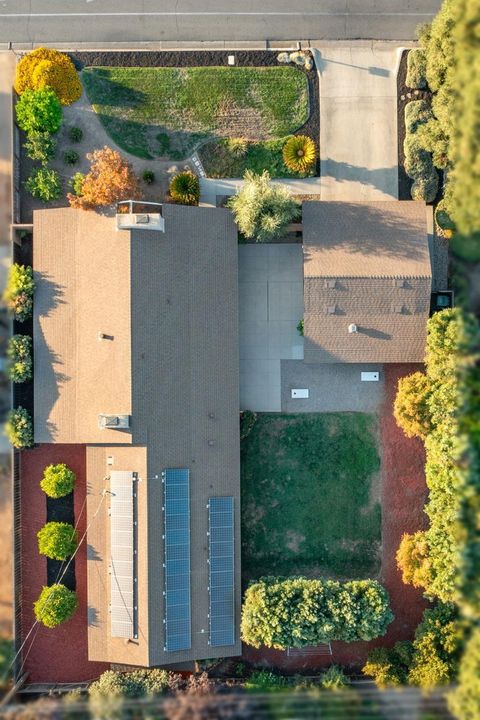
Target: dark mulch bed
x=23, y=392
x=61, y=510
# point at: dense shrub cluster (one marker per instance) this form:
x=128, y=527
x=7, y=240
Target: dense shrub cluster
x=418, y=161
x=464, y=702
x=416, y=69
x=45, y=67
x=389, y=666
x=18, y=293
x=58, y=480
x=262, y=210
x=40, y=146
x=57, y=540
x=56, y=604
x=19, y=355
x=110, y=179
x=39, y=111
x=185, y=188
x=44, y=183
x=297, y=612
x=299, y=153
x=134, y=684
x=19, y=428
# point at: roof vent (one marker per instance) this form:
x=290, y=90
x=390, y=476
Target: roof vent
x=331, y=309
x=398, y=309
x=331, y=284
x=141, y=219
x=352, y=328
x=113, y=422
x=400, y=282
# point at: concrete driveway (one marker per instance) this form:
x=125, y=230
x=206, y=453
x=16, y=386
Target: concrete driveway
x=271, y=304
x=358, y=121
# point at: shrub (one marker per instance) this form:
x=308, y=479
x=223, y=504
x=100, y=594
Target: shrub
x=262, y=210
x=18, y=293
x=417, y=112
x=444, y=223
x=265, y=681
x=75, y=134
x=44, y=184
x=134, y=684
x=148, y=177
x=389, y=666
x=296, y=612
x=299, y=153
x=40, y=146
x=57, y=540
x=431, y=138
x=45, y=67
x=411, y=409
x=19, y=428
x=247, y=422
x=413, y=559
x=464, y=701
x=418, y=161
x=301, y=327
x=39, y=111
x=425, y=187
x=334, y=678
x=58, y=480
x=56, y=604
x=237, y=147
x=76, y=183
x=437, y=647
x=185, y=188
x=111, y=179
x=19, y=354
x=70, y=157
x=416, y=69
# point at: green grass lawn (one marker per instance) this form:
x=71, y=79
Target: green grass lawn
x=310, y=496
x=220, y=162
x=152, y=112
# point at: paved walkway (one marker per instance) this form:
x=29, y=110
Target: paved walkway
x=358, y=121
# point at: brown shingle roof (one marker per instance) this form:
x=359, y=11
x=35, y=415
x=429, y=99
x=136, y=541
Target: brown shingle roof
x=366, y=264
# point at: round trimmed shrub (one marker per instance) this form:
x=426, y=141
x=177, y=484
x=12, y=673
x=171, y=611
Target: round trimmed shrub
x=19, y=354
x=413, y=559
x=39, y=111
x=134, y=684
x=299, y=153
x=416, y=69
x=417, y=160
x=57, y=540
x=58, y=480
x=411, y=407
x=55, y=605
x=185, y=188
x=425, y=187
x=417, y=112
x=70, y=157
x=148, y=177
x=40, y=146
x=237, y=146
x=444, y=223
x=18, y=293
x=19, y=428
x=45, y=67
x=44, y=184
x=75, y=134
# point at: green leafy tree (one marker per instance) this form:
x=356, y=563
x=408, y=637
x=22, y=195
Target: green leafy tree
x=57, y=540
x=58, y=480
x=389, y=666
x=411, y=409
x=18, y=293
x=44, y=184
x=262, y=209
x=56, y=604
x=40, y=146
x=19, y=355
x=296, y=612
x=464, y=701
x=19, y=428
x=39, y=111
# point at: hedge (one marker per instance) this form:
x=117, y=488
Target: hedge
x=417, y=112
x=416, y=70
x=58, y=480
x=55, y=605
x=19, y=355
x=296, y=612
x=130, y=685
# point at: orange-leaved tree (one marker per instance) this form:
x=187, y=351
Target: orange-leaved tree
x=111, y=178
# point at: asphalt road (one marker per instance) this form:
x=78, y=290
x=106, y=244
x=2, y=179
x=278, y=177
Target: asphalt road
x=136, y=21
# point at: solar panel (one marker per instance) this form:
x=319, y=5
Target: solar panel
x=177, y=559
x=122, y=558
x=221, y=568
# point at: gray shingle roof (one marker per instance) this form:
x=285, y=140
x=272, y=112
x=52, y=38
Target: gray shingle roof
x=366, y=264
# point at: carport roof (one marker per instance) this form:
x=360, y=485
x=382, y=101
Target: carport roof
x=366, y=264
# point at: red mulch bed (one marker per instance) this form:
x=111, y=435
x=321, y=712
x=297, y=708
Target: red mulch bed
x=403, y=496
x=60, y=654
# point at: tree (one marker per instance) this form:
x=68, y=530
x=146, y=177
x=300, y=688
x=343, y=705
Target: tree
x=110, y=179
x=55, y=605
x=262, y=210
x=57, y=540
x=296, y=612
x=58, y=480
x=39, y=111
x=413, y=559
x=45, y=67
x=411, y=410
x=389, y=666
x=464, y=701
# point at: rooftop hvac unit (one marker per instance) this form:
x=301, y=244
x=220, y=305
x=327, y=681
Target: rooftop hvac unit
x=114, y=422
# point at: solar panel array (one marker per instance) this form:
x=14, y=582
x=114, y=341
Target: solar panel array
x=122, y=540
x=221, y=571
x=178, y=634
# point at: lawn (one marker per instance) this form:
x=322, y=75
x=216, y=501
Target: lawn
x=220, y=160
x=166, y=112
x=310, y=496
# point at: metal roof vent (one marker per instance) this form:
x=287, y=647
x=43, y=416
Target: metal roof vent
x=114, y=422
x=352, y=328
x=141, y=219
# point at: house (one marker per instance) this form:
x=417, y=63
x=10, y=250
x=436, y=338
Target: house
x=136, y=358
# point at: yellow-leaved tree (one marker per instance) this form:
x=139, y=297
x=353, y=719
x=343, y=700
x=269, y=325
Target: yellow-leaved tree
x=45, y=67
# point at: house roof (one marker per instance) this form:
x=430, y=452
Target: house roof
x=365, y=264
x=168, y=304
